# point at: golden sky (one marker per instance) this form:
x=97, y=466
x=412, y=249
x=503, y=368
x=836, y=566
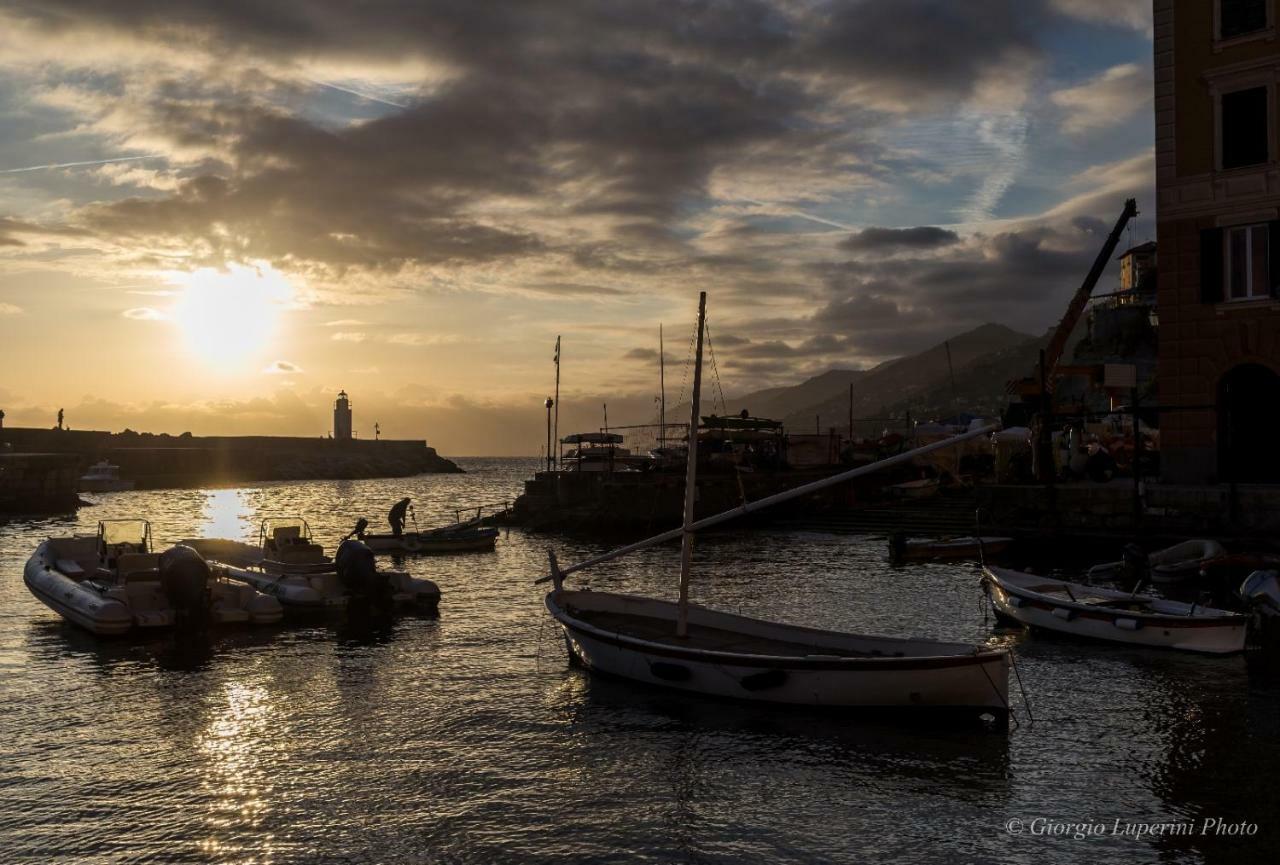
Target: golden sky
x=214, y=216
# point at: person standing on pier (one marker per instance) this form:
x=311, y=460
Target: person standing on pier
x=397, y=515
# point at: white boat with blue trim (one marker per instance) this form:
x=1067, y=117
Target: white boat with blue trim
x=1112, y=615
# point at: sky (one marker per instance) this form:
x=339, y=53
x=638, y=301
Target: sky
x=215, y=215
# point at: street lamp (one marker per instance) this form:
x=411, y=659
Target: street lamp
x=550, y=459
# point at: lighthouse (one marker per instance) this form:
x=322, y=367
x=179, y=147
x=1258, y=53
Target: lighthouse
x=342, y=417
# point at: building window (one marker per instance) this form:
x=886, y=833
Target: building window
x=1247, y=262
x=1244, y=128
x=1240, y=17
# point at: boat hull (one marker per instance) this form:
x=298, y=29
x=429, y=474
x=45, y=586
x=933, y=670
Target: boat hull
x=481, y=540
x=1215, y=635
x=976, y=682
x=77, y=603
x=321, y=592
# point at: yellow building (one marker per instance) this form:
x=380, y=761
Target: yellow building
x=1217, y=100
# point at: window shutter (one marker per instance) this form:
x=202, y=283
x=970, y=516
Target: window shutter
x=1273, y=256
x=1211, y=265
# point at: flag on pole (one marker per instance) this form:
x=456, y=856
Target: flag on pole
x=557, y=357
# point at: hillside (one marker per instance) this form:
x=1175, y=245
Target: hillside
x=983, y=360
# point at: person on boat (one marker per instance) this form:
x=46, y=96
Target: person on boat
x=397, y=515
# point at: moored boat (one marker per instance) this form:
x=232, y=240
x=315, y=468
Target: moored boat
x=111, y=583
x=293, y=568
x=1112, y=615
x=449, y=539
x=690, y=648
x=103, y=477
x=904, y=549
x=1175, y=564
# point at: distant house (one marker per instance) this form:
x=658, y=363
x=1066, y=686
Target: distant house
x=1137, y=269
x=1217, y=82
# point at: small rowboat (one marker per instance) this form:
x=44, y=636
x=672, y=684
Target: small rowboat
x=450, y=539
x=924, y=549
x=1112, y=615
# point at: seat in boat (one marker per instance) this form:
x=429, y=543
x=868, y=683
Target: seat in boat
x=135, y=567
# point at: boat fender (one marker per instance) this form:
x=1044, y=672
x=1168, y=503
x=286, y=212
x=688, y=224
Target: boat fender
x=764, y=681
x=184, y=578
x=670, y=672
x=411, y=544
x=1127, y=624
x=1015, y=601
x=1064, y=614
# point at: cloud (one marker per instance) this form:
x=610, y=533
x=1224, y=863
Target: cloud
x=1135, y=14
x=143, y=313
x=10, y=309
x=346, y=322
x=349, y=336
x=889, y=239
x=1105, y=100
x=282, y=367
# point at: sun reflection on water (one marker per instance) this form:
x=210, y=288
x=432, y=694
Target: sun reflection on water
x=235, y=777
x=226, y=515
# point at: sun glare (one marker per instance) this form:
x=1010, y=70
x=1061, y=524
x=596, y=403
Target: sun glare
x=230, y=318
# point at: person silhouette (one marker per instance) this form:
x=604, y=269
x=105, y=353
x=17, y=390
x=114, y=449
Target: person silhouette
x=59, y=418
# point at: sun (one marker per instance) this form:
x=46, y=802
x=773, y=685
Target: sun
x=229, y=319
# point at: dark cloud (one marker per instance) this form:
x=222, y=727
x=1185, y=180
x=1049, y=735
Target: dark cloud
x=890, y=239
x=923, y=50
x=571, y=109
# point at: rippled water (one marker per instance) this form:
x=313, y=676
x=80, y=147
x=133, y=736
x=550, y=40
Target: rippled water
x=468, y=738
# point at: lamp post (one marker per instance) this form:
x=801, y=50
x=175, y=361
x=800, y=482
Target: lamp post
x=550, y=459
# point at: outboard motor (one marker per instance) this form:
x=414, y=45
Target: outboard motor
x=1134, y=568
x=184, y=578
x=358, y=573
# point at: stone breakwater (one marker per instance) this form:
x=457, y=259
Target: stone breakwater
x=158, y=461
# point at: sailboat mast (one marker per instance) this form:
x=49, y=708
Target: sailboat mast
x=691, y=477
x=557, y=405
x=662, y=391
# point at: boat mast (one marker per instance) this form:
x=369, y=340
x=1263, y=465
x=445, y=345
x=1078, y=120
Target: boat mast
x=691, y=478
x=662, y=391
x=557, y=404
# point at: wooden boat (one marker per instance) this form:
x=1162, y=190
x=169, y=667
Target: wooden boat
x=289, y=565
x=111, y=583
x=903, y=549
x=1171, y=565
x=690, y=648
x=462, y=537
x=1112, y=615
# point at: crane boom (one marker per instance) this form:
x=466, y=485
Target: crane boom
x=1058, y=342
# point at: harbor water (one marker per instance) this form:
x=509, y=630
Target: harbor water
x=469, y=738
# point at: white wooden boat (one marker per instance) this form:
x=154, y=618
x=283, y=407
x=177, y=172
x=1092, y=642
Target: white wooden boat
x=111, y=583
x=1112, y=615
x=690, y=648
x=103, y=477
x=288, y=565
x=726, y=655
x=925, y=549
x=1174, y=564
